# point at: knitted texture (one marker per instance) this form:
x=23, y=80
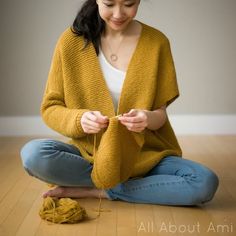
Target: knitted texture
x=116, y=156
x=76, y=84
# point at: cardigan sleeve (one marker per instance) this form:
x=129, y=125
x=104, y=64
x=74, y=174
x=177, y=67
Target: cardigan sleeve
x=167, y=87
x=53, y=109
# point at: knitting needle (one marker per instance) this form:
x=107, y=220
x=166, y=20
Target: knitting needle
x=119, y=115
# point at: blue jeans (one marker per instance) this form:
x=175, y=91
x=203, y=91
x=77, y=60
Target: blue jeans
x=173, y=181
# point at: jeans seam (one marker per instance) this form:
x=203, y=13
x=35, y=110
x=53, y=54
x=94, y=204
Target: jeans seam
x=152, y=185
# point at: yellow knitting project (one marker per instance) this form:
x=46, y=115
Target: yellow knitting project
x=116, y=155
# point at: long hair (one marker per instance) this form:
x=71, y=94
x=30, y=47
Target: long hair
x=89, y=24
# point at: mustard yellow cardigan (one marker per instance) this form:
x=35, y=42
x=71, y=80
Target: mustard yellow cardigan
x=76, y=84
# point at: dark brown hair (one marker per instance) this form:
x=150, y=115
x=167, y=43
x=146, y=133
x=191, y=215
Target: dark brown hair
x=89, y=24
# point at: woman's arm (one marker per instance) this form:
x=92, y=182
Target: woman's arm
x=53, y=108
x=156, y=119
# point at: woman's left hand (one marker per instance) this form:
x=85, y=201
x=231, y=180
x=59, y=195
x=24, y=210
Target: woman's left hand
x=135, y=120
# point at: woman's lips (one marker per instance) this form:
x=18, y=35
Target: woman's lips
x=117, y=22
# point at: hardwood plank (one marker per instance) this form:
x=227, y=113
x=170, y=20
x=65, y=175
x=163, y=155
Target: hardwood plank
x=46, y=228
x=22, y=207
x=32, y=220
x=10, y=200
x=12, y=175
x=187, y=221
x=223, y=211
x=163, y=217
x=126, y=219
x=106, y=223
x=144, y=219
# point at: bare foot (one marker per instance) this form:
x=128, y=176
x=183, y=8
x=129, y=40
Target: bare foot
x=76, y=192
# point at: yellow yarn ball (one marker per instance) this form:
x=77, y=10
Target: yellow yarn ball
x=63, y=210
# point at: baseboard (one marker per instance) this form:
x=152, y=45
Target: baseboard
x=204, y=124
x=182, y=125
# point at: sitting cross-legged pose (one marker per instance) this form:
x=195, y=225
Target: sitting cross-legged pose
x=110, y=82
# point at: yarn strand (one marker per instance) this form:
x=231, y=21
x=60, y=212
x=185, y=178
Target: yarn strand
x=66, y=210
x=94, y=152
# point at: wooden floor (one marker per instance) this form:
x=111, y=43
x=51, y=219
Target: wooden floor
x=20, y=199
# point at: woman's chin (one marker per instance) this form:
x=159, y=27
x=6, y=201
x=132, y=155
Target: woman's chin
x=118, y=26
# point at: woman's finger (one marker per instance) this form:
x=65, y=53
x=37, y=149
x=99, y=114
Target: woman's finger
x=91, y=116
x=99, y=117
x=135, y=126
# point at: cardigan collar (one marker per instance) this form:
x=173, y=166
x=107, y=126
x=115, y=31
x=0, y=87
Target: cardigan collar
x=131, y=82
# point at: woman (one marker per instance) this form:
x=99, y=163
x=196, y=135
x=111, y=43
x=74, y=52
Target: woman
x=109, y=67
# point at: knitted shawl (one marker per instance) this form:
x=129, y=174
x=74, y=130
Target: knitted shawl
x=76, y=84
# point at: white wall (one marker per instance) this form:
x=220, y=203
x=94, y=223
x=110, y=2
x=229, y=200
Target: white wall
x=202, y=35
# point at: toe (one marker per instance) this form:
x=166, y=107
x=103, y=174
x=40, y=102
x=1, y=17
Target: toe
x=56, y=192
x=46, y=194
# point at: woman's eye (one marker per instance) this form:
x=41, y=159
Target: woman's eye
x=111, y=5
x=108, y=5
x=129, y=5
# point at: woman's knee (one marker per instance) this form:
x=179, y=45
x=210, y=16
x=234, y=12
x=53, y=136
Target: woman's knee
x=207, y=187
x=32, y=151
x=211, y=184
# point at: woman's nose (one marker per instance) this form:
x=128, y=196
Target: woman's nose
x=118, y=12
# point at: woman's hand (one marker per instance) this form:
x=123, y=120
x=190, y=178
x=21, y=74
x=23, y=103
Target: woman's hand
x=93, y=121
x=135, y=120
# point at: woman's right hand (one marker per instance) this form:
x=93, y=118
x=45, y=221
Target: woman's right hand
x=93, y=121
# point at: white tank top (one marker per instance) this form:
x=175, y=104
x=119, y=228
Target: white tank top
x=114, y=78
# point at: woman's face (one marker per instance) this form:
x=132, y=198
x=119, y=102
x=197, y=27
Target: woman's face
x=117, y=14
